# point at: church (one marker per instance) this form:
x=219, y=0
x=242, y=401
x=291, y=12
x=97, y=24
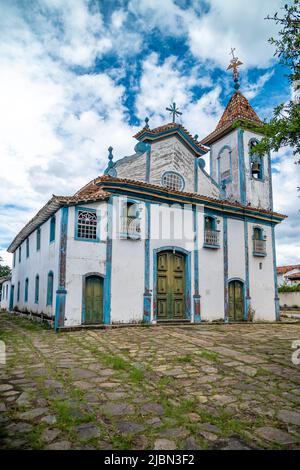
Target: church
x=161, y=236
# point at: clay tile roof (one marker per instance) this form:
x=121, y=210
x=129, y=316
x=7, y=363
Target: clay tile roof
x=286, y=269
x=167, y=127
x=238, y=108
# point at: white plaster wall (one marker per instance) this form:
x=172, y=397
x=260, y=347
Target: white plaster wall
x=5, y=295
x=280, y=279
x=132, y=167
x=261, y=281
x=257, y=192
x=174, y=230
x=211, y=274
x=83, y=257
x=236, y=249
x=39, y=262
x=289, y=299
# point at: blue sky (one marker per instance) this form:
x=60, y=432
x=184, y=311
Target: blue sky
x=79, y=76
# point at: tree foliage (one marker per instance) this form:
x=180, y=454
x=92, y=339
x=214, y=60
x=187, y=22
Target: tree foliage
x=4, y=270
x=284, y=127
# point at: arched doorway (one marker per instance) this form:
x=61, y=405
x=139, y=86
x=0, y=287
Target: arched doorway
x=170, y=285
x=93, y=299
x=236, y=300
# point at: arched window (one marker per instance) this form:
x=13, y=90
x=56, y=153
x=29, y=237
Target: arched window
x=38, y=239
x=20, y=254
x=26, y=290
x=37, y=289
x=259, y=242
x=50, y=288
x=52, y=229
x=256, y=162
x=27, y=248
x=211, y=234
x=86, y=224
x=18, y=292
x=172, y=180
x=224, y=164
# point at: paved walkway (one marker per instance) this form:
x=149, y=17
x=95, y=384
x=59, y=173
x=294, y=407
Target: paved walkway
x=181, y=387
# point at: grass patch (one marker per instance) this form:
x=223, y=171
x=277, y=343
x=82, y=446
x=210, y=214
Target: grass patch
x=187, y=358
x=210, y=355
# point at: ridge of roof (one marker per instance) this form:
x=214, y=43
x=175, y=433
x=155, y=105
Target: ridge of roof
x=287, y=268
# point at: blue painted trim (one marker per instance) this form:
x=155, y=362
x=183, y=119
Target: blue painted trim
x=11, y=297
x=20, y=254
x=84, y=278
x=276, y=298
x=52, y=229
x=168, y=172
x=148, y=162
x=225, y=254
x=211, y=163
x=242, y=175
x=27, y=247
x=214, y=247
x=196, y=296
x=247, y=297
x=60, y=304
x=187, y=278
x=229, y=178
x=18, y=292
x=107, y=280
x=50, y=288
x=147, y=293
x=183, y=137
x=182, y=199
x=37, y=289
x=26, y=289
x=38, y=239
x=87, y=209
x=196, y=175
x=270, y=182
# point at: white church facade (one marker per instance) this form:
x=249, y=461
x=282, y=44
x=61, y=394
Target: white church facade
x=157, y=238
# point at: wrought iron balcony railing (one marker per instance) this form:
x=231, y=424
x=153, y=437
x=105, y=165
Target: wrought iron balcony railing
x=259, y=247
x=131, y=227
x=212, y=238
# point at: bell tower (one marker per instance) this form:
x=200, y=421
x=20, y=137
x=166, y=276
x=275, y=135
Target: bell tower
x=242, y=177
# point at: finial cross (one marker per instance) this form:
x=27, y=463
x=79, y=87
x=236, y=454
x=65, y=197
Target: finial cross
x=174, y=111
x=234, y=65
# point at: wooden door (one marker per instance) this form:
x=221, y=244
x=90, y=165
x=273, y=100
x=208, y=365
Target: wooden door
x=170, y=286
x=236, y=301
x=93, y=307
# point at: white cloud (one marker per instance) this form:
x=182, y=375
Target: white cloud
x=250, y=90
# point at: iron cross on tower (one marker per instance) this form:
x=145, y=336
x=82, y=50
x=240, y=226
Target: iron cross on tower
x=174, y=111
x=234, y=64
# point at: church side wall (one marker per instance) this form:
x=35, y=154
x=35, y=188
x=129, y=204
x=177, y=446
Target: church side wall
x=262, y=290
x=132, y=168
x=83, y=257
x=40, y=262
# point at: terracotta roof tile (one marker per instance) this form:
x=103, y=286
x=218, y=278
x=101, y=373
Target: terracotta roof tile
x=238, y=108
x=294, y=276
x=286, y=269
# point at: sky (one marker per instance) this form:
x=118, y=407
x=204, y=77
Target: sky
x=77, y=76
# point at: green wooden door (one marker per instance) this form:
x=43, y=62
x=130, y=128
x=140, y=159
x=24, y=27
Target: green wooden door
x=236, y=300
x=170, y=286
x=93, y=306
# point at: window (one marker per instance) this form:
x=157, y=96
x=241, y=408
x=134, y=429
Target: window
x=37, y=288
x=50, y=289
x=18, y=292
x=259, y=242
x=27, y=248
x=52, y=229
x=224, y=164
x=86, y=224
x=26, y=290
x=20, y=254
x=256, y=162
x=211, y=234
x=172, y=180
x=130, y=220
x=14, y=259
x=38, y=239
x=6, y=291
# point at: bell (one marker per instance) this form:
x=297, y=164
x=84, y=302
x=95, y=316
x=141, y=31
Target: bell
x=255, y=169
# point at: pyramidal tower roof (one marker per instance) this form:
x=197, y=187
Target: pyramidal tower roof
x=237, y=109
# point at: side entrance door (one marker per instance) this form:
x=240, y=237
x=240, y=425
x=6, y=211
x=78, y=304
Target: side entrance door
x=11, y=298
x=93, y=306
x=236, y=301
x=170, y=286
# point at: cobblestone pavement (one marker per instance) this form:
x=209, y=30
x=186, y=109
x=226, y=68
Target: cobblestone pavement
x=168, y=387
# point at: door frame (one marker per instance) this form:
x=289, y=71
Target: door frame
x=11, y=298
x=244, y=295
x=187, y=287
x=84, y=277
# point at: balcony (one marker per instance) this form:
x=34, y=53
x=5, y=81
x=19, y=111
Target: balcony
x=130, y=228
x=259, y=247
x=212, y=238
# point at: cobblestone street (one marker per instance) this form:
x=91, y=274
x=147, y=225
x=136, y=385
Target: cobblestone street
x=167, y=387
